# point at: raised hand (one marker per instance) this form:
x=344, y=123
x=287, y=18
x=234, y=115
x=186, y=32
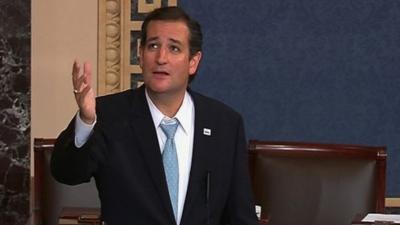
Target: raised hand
x=83, y=91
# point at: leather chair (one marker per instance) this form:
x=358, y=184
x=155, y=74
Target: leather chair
x=49, y=195
x=316, y=184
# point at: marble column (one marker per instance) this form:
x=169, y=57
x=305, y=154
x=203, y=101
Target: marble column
x=14, y=110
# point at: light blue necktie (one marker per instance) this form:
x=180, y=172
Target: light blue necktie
x=170, y=161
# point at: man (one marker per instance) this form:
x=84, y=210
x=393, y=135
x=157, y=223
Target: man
x=145, y=175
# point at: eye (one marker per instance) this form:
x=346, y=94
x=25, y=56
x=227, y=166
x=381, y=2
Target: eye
x=152, y=46
x=175, y=49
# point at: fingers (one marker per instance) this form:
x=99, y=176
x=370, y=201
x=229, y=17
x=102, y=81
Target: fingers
x=75, y=68
x=87, y=71
x=85, y=91
x=81, y=80
x=75, y=74
x=80, y=84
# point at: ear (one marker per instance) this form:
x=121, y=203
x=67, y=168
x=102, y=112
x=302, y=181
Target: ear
x=194, y=63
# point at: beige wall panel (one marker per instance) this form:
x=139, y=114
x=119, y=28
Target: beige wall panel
x=61, y=31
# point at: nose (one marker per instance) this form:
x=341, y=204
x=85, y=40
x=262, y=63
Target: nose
x=162, y=56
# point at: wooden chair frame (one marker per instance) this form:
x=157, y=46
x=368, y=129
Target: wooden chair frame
x=293, y=149
x=40, y=146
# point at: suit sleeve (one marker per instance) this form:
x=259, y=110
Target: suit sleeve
x=72, y=165
x=241, y=207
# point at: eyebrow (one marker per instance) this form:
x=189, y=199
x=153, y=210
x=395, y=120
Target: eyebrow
x=152, y=39
x=175, y=41
x=170, y=39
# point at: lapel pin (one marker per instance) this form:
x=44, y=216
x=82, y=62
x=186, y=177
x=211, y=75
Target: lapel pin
x=207, y=131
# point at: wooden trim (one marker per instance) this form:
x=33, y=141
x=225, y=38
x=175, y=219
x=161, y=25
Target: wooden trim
x=109, y=47
x=295, y=149
x=392, y=202
x=381, y=179
x=101, y=53
x=126, y=44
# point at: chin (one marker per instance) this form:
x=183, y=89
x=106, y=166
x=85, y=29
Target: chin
x=157, y=88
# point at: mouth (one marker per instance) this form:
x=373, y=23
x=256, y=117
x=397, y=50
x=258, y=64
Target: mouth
x=160, y=73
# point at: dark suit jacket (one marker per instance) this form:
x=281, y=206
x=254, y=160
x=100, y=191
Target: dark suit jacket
x=123, y=156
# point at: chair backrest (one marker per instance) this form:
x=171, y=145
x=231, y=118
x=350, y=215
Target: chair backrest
x=50, y=196
x=317, y=184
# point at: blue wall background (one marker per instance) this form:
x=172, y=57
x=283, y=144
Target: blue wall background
x=307, y=70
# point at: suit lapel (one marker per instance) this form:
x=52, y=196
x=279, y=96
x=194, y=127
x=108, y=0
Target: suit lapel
x=201, y=158
x=143, y=127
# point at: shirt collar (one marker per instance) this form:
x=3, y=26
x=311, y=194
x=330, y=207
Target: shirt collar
x=184, y=114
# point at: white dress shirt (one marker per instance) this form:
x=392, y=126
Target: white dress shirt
x=183, y=140
x=82, y=131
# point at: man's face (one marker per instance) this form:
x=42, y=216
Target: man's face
x=165, y=58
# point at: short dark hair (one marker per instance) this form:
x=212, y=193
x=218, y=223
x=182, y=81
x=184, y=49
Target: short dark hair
x=174, y=13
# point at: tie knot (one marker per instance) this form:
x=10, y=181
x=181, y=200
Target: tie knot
x=169, y=127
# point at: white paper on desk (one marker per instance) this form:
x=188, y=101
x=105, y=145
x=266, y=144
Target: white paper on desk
x=372, y=217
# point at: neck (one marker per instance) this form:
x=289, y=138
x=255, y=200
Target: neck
x=168, y=104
